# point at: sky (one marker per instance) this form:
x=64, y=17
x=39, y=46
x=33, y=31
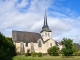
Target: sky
x=28, y=15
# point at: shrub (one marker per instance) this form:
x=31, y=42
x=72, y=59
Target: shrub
x=53, y=51
x=39, y=54
x=18, y=53
x=33, y=54
x=27, y=54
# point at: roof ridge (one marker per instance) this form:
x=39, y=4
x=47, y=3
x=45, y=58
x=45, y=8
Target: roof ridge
x=24, y=31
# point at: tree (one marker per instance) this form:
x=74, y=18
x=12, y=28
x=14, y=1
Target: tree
x=68, y=49
x=7, y=48
x=75, y=49
x=53, y=51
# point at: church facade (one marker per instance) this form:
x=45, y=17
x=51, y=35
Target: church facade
x=38, y=42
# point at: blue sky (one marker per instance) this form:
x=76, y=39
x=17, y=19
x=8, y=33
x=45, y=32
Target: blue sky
x=28, y=15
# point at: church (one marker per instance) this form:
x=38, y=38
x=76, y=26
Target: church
x=38, y=42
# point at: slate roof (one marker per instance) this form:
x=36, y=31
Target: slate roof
x=22, y=36
x=44, y=28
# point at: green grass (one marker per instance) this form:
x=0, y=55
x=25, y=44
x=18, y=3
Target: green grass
x=45, y=58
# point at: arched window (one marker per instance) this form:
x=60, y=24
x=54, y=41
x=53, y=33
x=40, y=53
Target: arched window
x=39, y=44
x=26, y=44
x=45, y=34
x=51, y=44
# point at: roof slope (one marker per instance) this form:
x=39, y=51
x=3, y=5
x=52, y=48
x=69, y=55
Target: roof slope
x=44, y=28
x=22, y=36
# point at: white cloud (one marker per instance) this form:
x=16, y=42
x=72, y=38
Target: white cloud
x=32, y=19
x=22, y=4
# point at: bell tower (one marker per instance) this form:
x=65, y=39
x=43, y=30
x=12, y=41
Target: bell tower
x=45, y=32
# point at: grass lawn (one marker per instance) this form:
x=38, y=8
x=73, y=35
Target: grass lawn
x=45, y=58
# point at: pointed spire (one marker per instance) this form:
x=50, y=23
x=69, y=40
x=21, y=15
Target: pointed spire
x=45, y=25
x=45, y=20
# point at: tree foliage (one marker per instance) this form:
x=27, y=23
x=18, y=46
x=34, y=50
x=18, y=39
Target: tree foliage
x=75, y=49
x=7, y=48
x=53, y=51
x=68, y=49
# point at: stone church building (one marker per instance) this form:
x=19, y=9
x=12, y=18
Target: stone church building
x=38, y=42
